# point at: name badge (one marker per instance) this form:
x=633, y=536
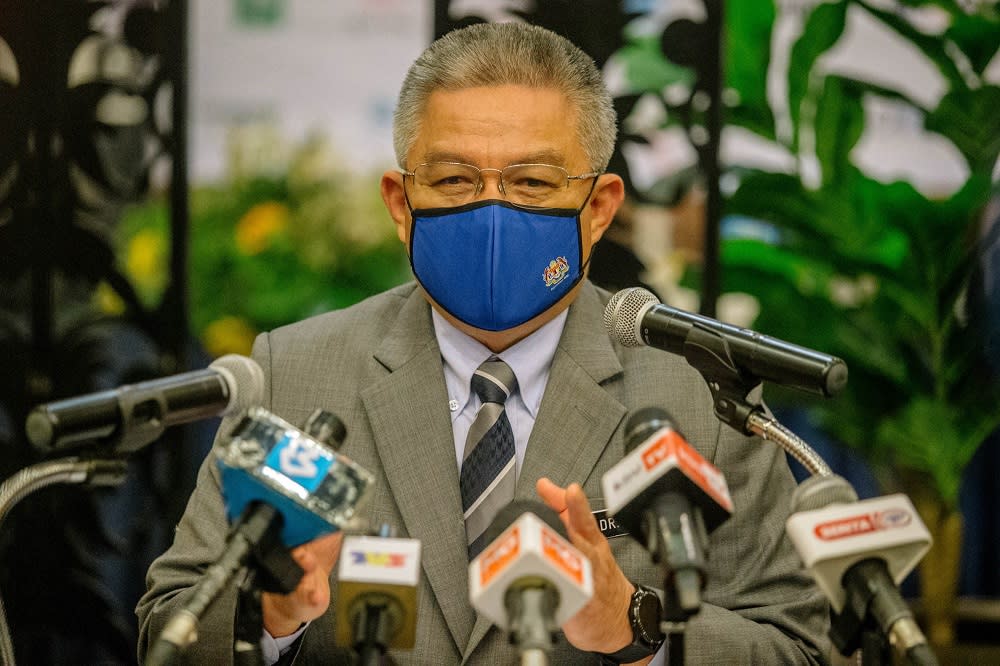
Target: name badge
x=609, y=528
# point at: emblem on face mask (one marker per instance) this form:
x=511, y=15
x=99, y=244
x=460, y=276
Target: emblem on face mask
x=555, y=272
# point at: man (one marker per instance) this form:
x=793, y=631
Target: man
x=502, y=134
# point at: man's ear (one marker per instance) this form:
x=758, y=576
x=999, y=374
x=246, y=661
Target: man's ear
x=394, y=197
x=609, y=192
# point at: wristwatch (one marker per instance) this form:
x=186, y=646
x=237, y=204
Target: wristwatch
x=644, y=612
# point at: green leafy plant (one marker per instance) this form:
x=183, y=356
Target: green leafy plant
x=289, y=233
x=871, y=269
x=883, y=270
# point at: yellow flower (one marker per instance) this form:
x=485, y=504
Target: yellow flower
x=228, y=335
x=145, y=260
x=259, y=225
x=107, y=300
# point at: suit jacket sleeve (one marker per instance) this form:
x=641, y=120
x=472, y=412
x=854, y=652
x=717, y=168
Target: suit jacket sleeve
x=198, y=541
x=762, y=606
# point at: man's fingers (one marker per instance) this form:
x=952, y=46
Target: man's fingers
x=305, y=558
x=327, y=549
x=581, y=519
x=551, y=494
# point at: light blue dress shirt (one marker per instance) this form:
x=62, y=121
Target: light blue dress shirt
x=530, y=359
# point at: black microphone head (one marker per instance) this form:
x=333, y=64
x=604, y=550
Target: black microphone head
x=327, y=428
x=643, y=423
x=817, y=492
x=622, y=313
x=506, y=516
x=245, y=380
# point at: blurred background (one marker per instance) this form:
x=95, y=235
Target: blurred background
x=177, y=176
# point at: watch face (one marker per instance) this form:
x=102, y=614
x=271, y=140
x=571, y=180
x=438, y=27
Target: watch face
x=647, y=614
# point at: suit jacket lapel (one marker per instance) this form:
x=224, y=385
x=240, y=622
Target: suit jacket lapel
x=577, y=416
x=410, y=421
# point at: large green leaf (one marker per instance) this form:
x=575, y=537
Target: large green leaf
x=977, y=37
x=840, y=121
x=823, y=28
x=748, y=26
x=646, y=68
x=971, y=120
x=932, y=46
x=929, y=436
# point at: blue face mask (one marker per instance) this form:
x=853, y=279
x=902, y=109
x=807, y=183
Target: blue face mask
x=493, y=265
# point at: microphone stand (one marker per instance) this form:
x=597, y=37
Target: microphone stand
x=254, y=546
x=673, y=625
x=866, y=618
x=860, y=623
x=532, y=628
x=708, y=353
x=680, y=604
x=249, y=625
x=97, y=472
x=373, y=627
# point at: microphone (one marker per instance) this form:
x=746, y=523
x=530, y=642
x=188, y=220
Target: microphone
x=669, y=498
x=635, y=317
x=858, y=552
x=267, y=461
x=127, y=418
x=282, y=487
x=377, y=595
x=529, y=580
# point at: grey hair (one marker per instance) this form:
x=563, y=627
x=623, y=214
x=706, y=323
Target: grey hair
x=494, y=54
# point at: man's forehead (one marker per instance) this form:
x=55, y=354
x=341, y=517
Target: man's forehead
x=494, y=126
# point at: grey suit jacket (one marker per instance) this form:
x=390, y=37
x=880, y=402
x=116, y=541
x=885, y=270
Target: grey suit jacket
x=377, y=366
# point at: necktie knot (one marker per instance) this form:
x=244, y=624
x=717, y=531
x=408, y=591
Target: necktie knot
x=494, y=381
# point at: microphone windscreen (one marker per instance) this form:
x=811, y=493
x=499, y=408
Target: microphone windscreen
x=643, y=423
x=507, y=515
x=622, y=312
x=818, y=492
x=245, y=379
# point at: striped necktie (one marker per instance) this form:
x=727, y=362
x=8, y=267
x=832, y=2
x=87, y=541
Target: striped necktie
x=487, y=478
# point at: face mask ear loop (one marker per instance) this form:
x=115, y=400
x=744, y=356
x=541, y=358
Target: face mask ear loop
x=590, y=193
x=406, y=197
x=409, y=207
x=409, y=241
x=579, y=212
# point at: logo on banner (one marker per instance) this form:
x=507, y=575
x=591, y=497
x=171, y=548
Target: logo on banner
x=384, y=560
x=557, y=552
x=865, y=523
x=300, y=460
x=496, y=558
x=658, y=451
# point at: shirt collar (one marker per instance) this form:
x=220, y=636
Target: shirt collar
x=529, y=359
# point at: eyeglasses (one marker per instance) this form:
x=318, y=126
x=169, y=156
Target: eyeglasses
x=440, y=184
